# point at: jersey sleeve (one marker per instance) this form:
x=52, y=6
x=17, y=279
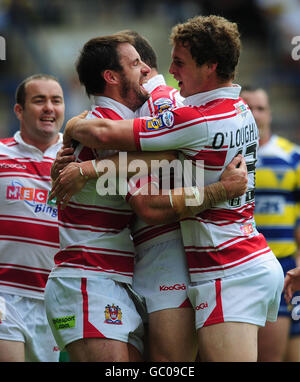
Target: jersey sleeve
x=176, y=129
x=162, y=99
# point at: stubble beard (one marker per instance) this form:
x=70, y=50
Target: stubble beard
x=138, y=98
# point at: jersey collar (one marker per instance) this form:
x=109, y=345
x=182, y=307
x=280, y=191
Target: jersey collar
x=109, y=103
x=154, y=82
x=18, y=138
x=201, y=99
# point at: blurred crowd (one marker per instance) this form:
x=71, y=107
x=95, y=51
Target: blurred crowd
x=46, y=35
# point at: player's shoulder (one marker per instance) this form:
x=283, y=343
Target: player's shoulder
x=219, y=107
x=8, y=141
x=8, y=145
x=284, y=144
x=289, y=148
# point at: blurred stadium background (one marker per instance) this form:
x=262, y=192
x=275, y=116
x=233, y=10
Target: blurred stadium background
x=47, y=35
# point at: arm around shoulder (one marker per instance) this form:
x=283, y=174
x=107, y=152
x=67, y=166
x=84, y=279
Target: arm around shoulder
x=101, y=133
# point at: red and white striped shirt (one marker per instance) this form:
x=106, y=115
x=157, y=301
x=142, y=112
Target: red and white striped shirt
x=93, y=228
x=215, y=127
x=162, y=98
x=29, y=230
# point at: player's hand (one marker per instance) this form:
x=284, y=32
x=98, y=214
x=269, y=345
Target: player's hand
x=68, y=183
x=235, y=179
x=291, y=283
x=71, y=124
x=63, y=157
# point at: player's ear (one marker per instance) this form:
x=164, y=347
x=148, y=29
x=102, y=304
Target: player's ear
x=111, y=77
x=211, y=67
x=18, y=110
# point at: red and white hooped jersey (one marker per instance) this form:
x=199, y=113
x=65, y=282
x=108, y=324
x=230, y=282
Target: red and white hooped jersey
x=162, y=98
x=29, y=229
x=93, y=228
x=215, y=127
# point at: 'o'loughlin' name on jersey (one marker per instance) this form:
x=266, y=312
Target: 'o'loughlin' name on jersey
x=36, y=198
x=237, y=138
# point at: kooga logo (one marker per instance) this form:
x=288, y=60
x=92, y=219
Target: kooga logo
x=172, y=287
x=201, y=306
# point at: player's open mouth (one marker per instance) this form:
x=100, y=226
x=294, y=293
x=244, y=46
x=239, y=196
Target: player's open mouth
x=47, y=119
x=143, y=89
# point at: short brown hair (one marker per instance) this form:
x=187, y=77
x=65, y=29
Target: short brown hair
x=143, y=47
x=97, y=55
x=20, y=95
x=211, y=39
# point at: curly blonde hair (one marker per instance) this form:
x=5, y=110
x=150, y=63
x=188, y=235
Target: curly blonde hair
x=211, y=39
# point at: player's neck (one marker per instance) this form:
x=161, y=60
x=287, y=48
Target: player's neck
x=39, y=144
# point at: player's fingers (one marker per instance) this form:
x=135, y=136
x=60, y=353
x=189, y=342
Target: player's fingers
x=53, y=191
x=83, y=114
x=66, y=200
x=57, y=191
x=293, y=272
x=242, y=163
x=67, y=151
x=235, y=162
x=288, y=294
x=56, y=194
x=287, y=281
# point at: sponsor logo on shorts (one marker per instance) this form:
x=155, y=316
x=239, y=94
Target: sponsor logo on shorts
x=172, y=287
x=64, y=322
x=201, y=306
x=113, y=314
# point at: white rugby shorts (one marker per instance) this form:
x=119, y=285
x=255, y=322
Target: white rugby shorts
x=24, y=319
x=251, y=296
x=161, y=276
x=95, y=307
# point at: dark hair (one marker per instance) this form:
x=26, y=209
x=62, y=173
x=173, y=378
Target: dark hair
x=143, y=47
x=97, y=55
x=20, y=95
x=211, y=39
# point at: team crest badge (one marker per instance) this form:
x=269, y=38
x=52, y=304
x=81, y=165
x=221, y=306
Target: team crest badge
x=163, y=104
x=166, y=119
x=113, y=314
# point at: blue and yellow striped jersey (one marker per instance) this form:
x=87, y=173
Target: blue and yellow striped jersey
x=277, y=194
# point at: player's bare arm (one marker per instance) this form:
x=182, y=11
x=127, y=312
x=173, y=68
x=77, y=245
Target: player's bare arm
x=99, y=133
x=160, y=209
x=72, y=177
